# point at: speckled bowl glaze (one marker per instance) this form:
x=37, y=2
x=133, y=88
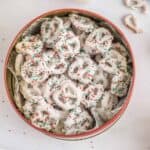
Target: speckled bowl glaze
x=92, y=132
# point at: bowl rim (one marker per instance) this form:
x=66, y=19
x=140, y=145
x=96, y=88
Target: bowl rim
x=89, y=133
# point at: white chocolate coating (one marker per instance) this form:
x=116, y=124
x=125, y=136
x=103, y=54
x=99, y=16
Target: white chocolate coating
x=99, y=41
x=30, y=45
x=92, y=95
x=113, y=62
x=81, y=23
x=82, y=69
x=49, y=29
x=101, y=77
x=54, y=62
x=34, y=70
x=18, y=63
x=68, y=96
x=130, y=22
x=67, y=44
x=137, y=4
x=120, y=83
x=77, y=121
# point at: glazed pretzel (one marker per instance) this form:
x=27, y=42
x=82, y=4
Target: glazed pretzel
x=98, y=120
x=106, y=115
x=31, y=105
x=49, y=29
x=108, y=101
x=30, y=45
x=101, y=77
x=41, y=114
x=122, y=50
x=17, y=95
x=29, y=91
x=46, y=117
x=119, y=85
x=131, y=22
x=82, y=69
x=107, y=108
x=137, y=4
x=34, y=70
x=54, y=62
x=18, y=63
x=113, y=62
x=92, y=95
x=77, y=121
x=99, y=41
x=68, y=96
x=67, y=44
x=51, y=85
x=81, y=23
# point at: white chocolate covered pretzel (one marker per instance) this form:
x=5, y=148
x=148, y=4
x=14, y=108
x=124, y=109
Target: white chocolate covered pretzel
x=122, y=50
x=99, y=41
x=113, y=62
x=68, y=96
x=106, y=115
x=31, y=105
x=82, y=69
x=101, y=77
x=30, y=45
x=107, y=108
x=18, y=63
x=29, y=91
x=67, y=44
x=46, y=117
x=34, y=70
x=49, y=29
x=120, y=83
x=131, y=22
x=92, y=95
x=54, y=62
x=137, y=4
x=108, y=101
x=77, y=121
x=81, y=23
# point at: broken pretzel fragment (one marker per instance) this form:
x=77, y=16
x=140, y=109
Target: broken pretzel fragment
x=137, y=4
x=131, y=22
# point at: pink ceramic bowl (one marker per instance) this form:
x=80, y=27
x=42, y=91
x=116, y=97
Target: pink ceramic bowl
x=91, y=132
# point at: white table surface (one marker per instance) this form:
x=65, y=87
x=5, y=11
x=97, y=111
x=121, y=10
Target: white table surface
x=131, y=132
